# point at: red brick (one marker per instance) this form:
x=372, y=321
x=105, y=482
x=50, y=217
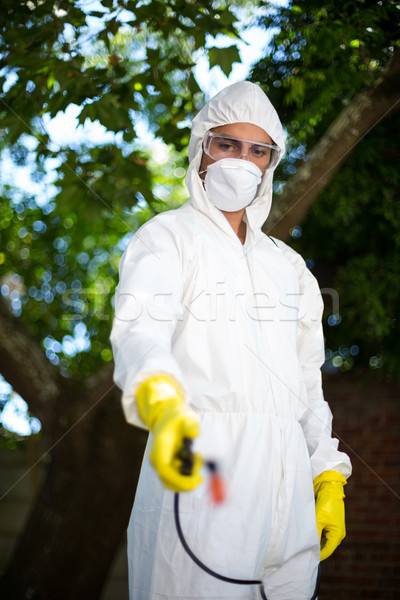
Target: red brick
x=367, y=419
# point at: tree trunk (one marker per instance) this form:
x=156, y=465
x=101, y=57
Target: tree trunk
x=366, y=110
x=77, y=522
x=82, y=510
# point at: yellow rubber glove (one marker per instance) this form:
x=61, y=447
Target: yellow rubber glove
x=162, y=408
x=329, y=508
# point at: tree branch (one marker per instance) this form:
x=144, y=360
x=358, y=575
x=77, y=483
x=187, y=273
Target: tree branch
x=366, y=110
x=25, y=366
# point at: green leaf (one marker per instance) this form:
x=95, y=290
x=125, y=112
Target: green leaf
x=223, y=58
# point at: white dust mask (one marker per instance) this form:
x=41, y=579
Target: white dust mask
x=231, y=183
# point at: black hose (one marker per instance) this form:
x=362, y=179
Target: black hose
x=317, y=583
x=202, y=565
x=218, y=575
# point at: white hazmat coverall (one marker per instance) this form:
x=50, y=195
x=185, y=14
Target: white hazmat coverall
x=239, y=327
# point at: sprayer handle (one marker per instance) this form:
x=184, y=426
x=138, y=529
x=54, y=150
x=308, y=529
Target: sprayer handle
x=185, y=455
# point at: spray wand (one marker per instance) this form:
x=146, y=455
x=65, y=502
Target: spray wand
x=216, y=481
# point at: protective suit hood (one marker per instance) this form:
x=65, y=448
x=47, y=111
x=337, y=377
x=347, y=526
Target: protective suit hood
x=242, y=102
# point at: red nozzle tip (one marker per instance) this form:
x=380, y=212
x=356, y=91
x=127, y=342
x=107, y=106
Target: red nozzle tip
x=217, y=488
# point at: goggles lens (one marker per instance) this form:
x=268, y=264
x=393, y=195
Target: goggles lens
x=219, y=146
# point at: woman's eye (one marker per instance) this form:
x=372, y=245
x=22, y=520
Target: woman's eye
x=259, y=151
x=227, y=146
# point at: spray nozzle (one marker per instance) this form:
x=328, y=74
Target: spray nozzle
x=216, y=482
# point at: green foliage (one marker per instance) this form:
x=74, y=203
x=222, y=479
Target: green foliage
x=58, y=274
x=141, y=56
x=59, y=264
x=135, y=59
x=353, y=232
x=10, y=440
x=321, y=56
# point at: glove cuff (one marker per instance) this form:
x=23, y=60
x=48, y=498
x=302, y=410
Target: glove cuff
x=328, y=477
x=155, y=395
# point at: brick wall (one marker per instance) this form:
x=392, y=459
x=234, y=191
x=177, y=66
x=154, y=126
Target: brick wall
x=367, y=419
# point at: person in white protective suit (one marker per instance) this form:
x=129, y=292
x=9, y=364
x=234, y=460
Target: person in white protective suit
x=217, y=336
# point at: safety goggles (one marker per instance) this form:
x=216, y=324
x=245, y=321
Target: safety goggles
x=218, y=146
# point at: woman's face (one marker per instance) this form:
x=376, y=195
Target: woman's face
x=246, y=136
